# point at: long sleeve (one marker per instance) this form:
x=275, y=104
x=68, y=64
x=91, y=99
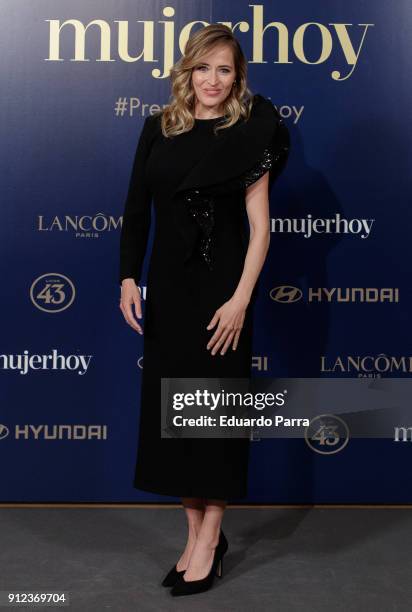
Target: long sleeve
x=137, y=214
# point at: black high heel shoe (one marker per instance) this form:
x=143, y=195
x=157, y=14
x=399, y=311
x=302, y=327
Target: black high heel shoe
x=172, y=576
x=183, y=587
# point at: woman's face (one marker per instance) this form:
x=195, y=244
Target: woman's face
x=213, y=76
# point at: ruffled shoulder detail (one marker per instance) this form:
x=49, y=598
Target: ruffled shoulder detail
x=241, y=154
x=237, y=158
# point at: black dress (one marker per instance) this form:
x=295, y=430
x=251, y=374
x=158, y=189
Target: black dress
x=197, y=181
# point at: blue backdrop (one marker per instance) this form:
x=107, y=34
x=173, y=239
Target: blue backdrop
x=74, y=102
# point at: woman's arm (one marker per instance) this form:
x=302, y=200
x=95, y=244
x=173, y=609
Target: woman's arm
x=257, y=208
x=232, y=314
x=136, y=214
x=135, y=232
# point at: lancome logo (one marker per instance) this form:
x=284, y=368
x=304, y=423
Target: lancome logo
x=83, y=226
x=282, y=46
x=367, y=366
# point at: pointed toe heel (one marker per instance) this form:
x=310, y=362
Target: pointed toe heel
x=172, y=576
x=190, y=587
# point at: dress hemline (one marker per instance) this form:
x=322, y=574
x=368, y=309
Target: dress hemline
x=143, y=486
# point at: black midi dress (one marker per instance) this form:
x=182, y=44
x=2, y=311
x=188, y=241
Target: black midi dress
x=197, y=182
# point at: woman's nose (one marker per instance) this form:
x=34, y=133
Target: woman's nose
x=213, y=79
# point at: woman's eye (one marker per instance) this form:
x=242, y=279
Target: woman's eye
x=225, y=70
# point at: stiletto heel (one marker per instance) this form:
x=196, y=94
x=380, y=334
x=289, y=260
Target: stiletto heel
x=183, y=587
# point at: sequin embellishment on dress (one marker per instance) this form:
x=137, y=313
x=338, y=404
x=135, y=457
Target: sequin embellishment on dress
x=201, y=207
x=263, y=165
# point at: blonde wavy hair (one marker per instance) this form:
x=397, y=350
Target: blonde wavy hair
x=178, y=115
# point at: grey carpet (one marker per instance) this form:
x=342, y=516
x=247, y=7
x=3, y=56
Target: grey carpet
x=280, y=559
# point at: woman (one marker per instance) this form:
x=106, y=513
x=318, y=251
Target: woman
x=208, y=160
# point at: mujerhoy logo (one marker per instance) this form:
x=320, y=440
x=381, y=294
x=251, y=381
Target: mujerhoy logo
x=147, y=41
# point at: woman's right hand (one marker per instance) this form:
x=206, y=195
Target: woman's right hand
x=130, y=296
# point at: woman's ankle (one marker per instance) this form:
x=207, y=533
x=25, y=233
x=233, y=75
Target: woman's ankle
x=209, y=537
x=194, y=530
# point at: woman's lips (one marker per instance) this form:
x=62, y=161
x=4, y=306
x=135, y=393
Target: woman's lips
x=212, y=92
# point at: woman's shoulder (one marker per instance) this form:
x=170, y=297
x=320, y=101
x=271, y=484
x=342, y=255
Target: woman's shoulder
x=151, y=127
x=153, y=121
x=263, y=108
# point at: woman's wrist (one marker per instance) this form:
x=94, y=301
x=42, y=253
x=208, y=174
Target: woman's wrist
x=242, y=297
x=126, y=280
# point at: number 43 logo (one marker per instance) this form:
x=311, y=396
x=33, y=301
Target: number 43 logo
x=327, y=434
x=52, y=292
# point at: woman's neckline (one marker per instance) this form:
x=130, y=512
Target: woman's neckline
x=209, y=118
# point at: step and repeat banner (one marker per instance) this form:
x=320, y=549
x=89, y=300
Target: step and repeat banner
x=78, y=80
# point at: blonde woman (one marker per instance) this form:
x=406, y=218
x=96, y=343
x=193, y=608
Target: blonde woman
x=208, y=161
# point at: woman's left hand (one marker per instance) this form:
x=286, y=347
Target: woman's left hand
x=230, y=317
